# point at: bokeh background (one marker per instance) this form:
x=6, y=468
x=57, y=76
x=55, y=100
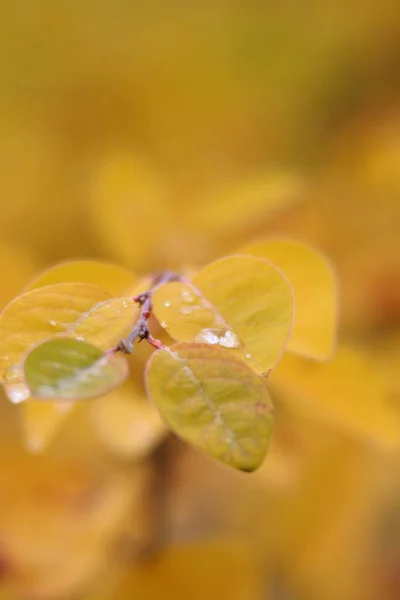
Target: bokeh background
x=166, y=135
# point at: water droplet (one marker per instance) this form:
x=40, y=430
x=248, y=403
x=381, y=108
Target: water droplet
x=167, y=304
x=17, y=392
x=80, y=338
x=125, y=304
x=207, y=336
x=223, y=337
x=229, y=340
x=163, y=324
x=185, y=310
x=52, y=323
x=13, y=373
x=187, y=296
x=248, y=356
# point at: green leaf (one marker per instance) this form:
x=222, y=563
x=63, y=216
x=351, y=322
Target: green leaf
x=213, y=400
x=66, y=368
x=41, y=314
x=78, y=310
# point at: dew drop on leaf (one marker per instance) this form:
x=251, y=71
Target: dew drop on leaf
x=13, y=373
x=14, y=384
x=187, y=296
x=17, y=392
x=207, y=336
x=222, y=337
x=229, y=340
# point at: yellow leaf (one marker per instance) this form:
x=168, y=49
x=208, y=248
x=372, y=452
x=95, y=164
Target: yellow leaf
x=110, y=277
x=256, y=302
x=127, y=204
x=106, y=324
x=314, y=287
x=243, y=204
x=127, y=422
x=185, y=313
x=40, y=421
x=345, y=392
x=39, y=315
x=141, y=285
x=188, y=314
x=213, y=400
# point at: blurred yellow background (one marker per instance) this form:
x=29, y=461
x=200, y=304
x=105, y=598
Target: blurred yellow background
x=165, y=135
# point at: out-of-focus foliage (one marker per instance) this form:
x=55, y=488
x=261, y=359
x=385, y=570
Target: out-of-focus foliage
x=314, y=288
x=354, y=397
x=116, y=280
x=236, y=120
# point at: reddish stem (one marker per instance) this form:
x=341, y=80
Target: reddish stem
x=141, y=330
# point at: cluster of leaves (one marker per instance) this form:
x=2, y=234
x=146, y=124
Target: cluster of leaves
x=66, y=339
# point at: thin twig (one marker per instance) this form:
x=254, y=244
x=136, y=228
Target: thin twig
x=141, y=330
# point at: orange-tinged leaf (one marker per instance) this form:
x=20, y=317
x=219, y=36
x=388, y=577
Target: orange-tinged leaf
x=345, y=392
x=58, y=518
x=255, y=300
x=314, y=286
x=110, y=277
x=41, y=314
x=40, y=421
x=127, y=422
x=213, y=400
x=70, y=369
x=212, y=569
